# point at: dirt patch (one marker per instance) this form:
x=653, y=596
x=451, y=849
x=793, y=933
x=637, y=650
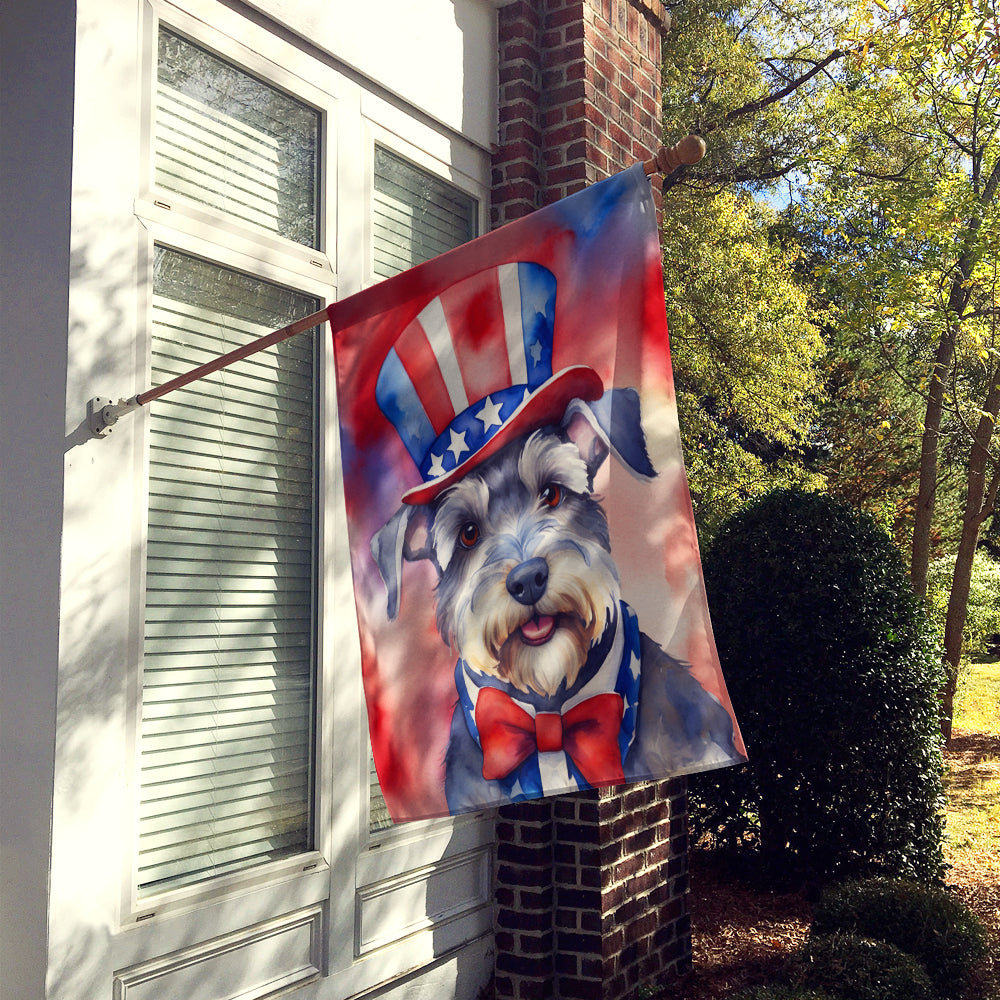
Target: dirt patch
x=965, y=748
x=977, y=884
x=741, y=936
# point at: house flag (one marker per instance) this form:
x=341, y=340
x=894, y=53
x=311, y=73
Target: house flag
x=528, y=588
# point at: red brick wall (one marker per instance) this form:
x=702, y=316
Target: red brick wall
x=524, y=902
x=591, y=893
x=591, y=889
x=579, y=96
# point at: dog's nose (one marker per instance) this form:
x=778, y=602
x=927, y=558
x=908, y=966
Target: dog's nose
x=527, y=582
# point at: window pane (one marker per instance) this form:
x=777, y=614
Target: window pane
x=228, y=140
x=416, y=217
x=228, y=658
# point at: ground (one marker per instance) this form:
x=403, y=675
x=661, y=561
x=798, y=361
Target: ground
x=973, y=849
x=742, y=935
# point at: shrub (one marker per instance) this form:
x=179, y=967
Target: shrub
x=925, y=922
x=782, y=993
x=833, y=673
x=856, y=968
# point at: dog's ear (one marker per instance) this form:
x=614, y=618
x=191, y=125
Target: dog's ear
x=612, y=423
x=406, y=535
x=581, y=428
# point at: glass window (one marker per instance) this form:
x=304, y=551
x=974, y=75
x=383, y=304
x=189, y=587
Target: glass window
x=228, y=680
x=226, y=139
x=416, y=217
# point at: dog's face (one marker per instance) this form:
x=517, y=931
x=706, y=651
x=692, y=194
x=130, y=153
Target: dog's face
x=527, y=582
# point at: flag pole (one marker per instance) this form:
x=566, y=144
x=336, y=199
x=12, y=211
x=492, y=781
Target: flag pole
x=103, y=413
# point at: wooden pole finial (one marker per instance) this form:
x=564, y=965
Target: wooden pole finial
x=668, y=158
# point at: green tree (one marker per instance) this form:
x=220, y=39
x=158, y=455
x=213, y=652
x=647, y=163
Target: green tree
x=982, y=620
x=912, y=192
x=879, y=122
x=747, y=77
x=867, y=432
x=747, y=353
x=747, y=357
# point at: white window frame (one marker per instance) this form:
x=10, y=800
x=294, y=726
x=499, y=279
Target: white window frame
x=394, y=132
x=390, y=859
x=275, y=61
x=351, y=875
x=195, y=244
x=180, y=224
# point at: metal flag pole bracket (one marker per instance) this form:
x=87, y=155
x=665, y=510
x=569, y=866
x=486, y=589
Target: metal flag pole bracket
x=103, y=413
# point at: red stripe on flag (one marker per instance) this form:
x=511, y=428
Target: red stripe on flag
x=475, y=318
x=418, y=359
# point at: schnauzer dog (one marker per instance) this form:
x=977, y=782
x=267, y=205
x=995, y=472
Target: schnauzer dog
x=558, y=688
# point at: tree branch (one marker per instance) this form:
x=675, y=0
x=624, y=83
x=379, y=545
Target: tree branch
x=724, y=178
x=754, y=106
x=899, y=176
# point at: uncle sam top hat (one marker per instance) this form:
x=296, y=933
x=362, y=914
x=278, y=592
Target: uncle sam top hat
x=473, y=371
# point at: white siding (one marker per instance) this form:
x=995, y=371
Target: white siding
x=435, y=55
x=36, y=108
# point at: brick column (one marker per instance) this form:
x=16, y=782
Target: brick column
x=518, y=173
x=524, y=901
x=591, y=889
x=621, y=882
x=591, y=893
x=579, y=96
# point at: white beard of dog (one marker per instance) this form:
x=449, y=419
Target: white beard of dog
x=542, y=645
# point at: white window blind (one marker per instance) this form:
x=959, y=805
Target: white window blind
x=416, y=217
x=230, y=141
x=228, y=677
x=228, y=660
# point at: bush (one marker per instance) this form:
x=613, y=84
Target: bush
x=833, y=673
x=782, y=993
x=925, y=922
x=856, y=968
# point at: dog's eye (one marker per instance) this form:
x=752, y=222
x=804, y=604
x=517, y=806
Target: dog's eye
x=469, y=534
x=551, y=495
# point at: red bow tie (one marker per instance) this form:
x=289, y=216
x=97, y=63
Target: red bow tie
x=587, y=732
